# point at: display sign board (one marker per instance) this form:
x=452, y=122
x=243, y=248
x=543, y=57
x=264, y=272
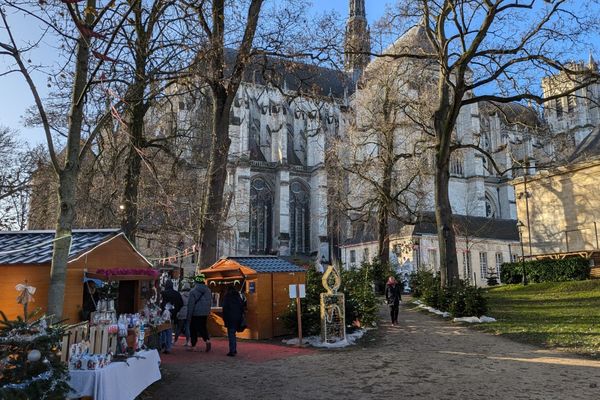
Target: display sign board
x=293, y=291
x=252, y=287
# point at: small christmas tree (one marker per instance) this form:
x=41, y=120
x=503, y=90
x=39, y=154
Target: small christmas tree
x=30, y=364
x=492, y=276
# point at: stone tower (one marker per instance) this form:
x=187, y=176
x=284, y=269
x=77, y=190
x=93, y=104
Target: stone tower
x=357, y=43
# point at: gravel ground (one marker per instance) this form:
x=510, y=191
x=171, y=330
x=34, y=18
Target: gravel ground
x=424, y=358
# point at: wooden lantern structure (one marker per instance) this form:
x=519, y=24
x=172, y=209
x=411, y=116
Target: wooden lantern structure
x=104, y=254
x=265, y=281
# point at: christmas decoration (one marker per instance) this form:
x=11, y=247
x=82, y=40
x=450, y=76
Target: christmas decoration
x=30, y=365
x=25, y=296
x=34, y=355
x=127, y=271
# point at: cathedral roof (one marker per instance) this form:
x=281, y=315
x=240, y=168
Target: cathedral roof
x=413, y=41
x=588, y=148
x=295, y=76
x=512, y=113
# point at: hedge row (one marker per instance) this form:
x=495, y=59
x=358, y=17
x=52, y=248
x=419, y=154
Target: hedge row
x=461, y=300
x=568, y=269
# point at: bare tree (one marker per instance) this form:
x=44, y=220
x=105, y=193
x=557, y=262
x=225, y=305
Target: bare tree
x=382, y=153
x=89, y=27
x=17, y=164
x=156, y=48
x=488, y=50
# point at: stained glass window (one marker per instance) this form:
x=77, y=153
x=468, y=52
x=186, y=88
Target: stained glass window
x=261, y=217
x=299, y=218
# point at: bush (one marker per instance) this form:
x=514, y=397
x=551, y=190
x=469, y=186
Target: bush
x=567, y=269
x=461, y=300
x=361, y=302
x=420, y=281
x=311, y=306
x=379, y=273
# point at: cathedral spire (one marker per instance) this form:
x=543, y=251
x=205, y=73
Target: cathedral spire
x=357, y=44
x=591, y=62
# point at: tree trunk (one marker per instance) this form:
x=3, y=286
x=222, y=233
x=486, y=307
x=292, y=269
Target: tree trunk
x=383, y=238
x=68, y=183
x=446, y=236
x=383, y=214
x=212, y=206
x=129, y=221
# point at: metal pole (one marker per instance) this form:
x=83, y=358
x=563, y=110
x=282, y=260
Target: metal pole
x=527, y=209
x=596, y=232
x=299, y=314
x=523, y=260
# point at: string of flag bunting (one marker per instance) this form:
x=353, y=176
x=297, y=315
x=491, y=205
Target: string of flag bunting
x=179, y=255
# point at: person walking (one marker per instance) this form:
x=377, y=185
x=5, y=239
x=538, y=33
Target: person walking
x=171, y=302
x=233, y=316
x=199, y=304
x=393, y=297
x=182, y=325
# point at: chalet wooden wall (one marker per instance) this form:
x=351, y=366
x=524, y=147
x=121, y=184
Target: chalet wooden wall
x=115, y=253
x=266, y=306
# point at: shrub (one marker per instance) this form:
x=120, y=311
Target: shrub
x=459, y=300
x=311, y=306
x=568, y=269
x=379, y=273
x=420, y=281
x=361, y=302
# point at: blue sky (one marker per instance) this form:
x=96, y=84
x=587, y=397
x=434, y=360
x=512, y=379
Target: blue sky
x=14, y=93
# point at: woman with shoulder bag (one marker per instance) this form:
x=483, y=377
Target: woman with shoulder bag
x=233, y=317
x=393, y=298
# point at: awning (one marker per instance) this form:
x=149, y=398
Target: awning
x=225, y=274
x=119, y=277
x=98, y=282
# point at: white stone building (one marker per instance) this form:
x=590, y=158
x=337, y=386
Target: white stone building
x=483, y=244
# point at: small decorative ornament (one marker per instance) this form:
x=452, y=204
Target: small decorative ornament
x=34, y=355
x=25, y=296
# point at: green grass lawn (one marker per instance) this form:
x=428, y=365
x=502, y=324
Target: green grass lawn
x=557, y=315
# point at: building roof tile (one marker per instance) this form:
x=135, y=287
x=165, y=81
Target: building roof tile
x=35, y=247
x=267, y=264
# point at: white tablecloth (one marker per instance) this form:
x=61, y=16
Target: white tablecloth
x=118, y=381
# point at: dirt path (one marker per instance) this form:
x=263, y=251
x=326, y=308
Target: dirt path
x=423, y=358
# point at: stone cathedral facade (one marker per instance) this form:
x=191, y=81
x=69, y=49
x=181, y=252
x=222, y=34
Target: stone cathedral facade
x=277, y=184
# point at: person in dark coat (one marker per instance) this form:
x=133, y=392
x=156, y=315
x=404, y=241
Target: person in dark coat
x=198, y=309
x=392, y=297
x=172, y=297
x=233, y=314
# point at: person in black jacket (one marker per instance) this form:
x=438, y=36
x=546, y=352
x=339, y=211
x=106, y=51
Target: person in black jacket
x=172, y=297
x=233, y=315
x=392, y=297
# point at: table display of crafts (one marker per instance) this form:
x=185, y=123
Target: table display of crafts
x=105, y=313
x=82, y=357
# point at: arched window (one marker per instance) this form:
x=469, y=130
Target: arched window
x=299, y=218
x=261, y=217
x=456, y=164
x=490, y=207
